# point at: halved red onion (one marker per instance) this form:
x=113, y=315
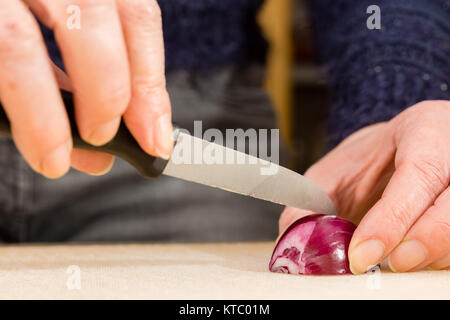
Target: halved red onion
x=315, y=244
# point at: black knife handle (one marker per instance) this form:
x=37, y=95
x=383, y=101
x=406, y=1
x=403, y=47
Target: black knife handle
x=123, y=145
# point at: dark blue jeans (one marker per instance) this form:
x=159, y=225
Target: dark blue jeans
x=123, y=206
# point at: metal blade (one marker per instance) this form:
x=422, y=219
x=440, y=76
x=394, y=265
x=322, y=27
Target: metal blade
x=284, y=187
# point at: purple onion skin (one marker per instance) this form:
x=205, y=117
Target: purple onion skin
x=316, y=244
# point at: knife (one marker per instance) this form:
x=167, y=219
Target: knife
x=284, y=187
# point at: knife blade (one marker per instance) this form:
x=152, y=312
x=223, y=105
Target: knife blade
x=284, y=186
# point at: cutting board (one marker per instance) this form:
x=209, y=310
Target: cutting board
x=189, y=271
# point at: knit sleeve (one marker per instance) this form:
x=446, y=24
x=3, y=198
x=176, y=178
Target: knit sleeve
x=375, y=74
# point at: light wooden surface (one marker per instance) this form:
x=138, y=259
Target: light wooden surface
x=189, y=271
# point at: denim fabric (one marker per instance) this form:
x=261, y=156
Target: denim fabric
x=123, y=206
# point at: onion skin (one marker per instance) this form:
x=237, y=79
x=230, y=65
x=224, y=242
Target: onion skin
x=316, y=244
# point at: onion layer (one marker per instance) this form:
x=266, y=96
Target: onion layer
x=315, y=244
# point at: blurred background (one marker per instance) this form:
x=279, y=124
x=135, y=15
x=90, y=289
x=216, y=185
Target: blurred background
x=295, y=80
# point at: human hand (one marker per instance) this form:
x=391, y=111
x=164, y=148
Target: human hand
x=115, y=65
x=393, y=179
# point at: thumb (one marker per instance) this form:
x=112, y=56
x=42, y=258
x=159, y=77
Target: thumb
x=412, y=189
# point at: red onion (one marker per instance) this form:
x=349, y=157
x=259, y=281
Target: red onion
x=315, y=244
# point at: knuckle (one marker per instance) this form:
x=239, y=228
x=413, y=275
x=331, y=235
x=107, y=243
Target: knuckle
x=427, y=111
x=87, y=5
x=114, y=102
x=151, y=92
x=144, y=14
x=399, y=217
x=44, y=135
x=18, y=36
x=147, y=11
x=432, y=174
x=149, y=87
x=52, y=132
x=432, y=105
x=442, y=227
x=420, y=106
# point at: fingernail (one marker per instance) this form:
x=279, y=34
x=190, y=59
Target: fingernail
x=57, y=163
x=103, y=132
x=163, y=133
x=442, y=263
x=105, y=170
x=366, y=255
x=407, y=255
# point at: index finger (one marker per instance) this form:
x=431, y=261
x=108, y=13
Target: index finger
x=148, y=115
x=30, y=95
x=419, y=178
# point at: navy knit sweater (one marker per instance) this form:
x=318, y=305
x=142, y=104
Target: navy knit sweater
x=374, y=74
x=199, y=34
